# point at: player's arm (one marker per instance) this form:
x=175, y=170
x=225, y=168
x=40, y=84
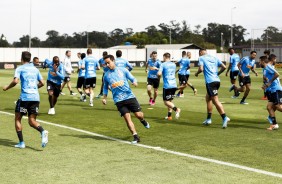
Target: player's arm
x=129, y=66
x=200, y=69
x=229, y=67
x=59, y=71
x=240, y=67
x=254, y=70
x=146, y=66
x=40, y=83
x=222, y=68
x=14, y=82
x=105, y=90
x=130, y=77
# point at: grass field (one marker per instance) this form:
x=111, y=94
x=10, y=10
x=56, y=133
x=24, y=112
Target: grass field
x=77, y=157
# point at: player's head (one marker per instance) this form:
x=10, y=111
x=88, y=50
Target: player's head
x=79, y=55
x=184, y=53
x=267, y=52
x=82, y=56
x=154, y=55
x=68, y=53
x=272, y=58
x=253, y=54
x=105, y=53
x=202, y=52
x=231, y=51
x=35, y=60
x=89, y=51
x=263, y=61
x=26, y=56
x=56, y=60
x=110, y=61
x=118, y=53
x=189, y=55
x=166, y=56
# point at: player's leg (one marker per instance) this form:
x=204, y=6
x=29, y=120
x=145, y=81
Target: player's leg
x=246, y=93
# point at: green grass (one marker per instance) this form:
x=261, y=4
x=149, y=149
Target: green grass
x=74, y=157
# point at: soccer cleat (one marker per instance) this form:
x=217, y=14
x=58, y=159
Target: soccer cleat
x=51, y=111
x=73, y=94
x=269, y=120
x=207, y=122
x=195, y=91
x=20, y=145
x=91, y=104
x=62, y=93
x=44, y=138
x=147, y=126
x=82, y=97
x=244, y=103
x=273, y=127
x=181, y=95
x=177, y=95
x=177, y=113
x=231, y=88
x=168, y=118
x=153, y=102
x=225, y=121
x=150, y=101
x=136, y=139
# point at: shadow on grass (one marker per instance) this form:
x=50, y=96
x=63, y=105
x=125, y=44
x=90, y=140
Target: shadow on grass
x=11, y=144
x=84, y=136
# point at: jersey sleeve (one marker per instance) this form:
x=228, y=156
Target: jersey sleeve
x=17, y=73
x=60, y=72
x=129, y=66
x=219, y=63
x=105, y=86
x=129, y=76
x=39, y=76
x=200, y=61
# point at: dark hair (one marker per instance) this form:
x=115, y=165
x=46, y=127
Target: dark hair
x=202, y=50
x=105, y=53
x=166, y=55
x=264, y=59
x=56, y=58
x=82, y=55
x=67, y=52
x=231, y=48
x=118, y=53
x=26, y=56
x=267, y=52
x=253, y=52
x=89, y=51
x=111, y=57
x=183, y=53
x=271, y=57
x=154, y=52
x=35, y=58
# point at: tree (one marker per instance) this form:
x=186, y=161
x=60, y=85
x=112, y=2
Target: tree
x=3, y=41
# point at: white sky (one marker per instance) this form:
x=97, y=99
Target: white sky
x=69, y=16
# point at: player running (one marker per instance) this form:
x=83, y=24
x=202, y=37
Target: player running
x=120, y=62
x=117, y=79
x=81, y=78
x=29, y=100
x=105, y=69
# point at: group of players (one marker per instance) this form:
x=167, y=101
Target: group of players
x=117, y=73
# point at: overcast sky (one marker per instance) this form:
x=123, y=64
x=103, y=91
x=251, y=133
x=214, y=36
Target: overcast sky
x=69, y=16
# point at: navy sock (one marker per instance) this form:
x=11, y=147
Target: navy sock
x=174, y=108
x=40, y=129
x=223, y=115
x=20, y=136
x=168, y=114
x=209, y=116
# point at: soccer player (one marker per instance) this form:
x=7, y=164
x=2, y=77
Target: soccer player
x=117, y=79
x=90, y=64
x=105, y=69
x=246, y=64
x=35, y=61
x=234, y=70
x=273, y=89
x=184, y=73
x=120, y=62
x=81, y=78
x=209, y=65
x=68, y=70
x=266, y=53
x=153, y=79
x=28, y=103
x=54, y=81
x=167, y=70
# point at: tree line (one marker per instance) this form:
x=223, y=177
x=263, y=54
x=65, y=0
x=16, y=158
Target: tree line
x=213, y=36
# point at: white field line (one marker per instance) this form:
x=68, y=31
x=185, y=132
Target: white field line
x=161, y=149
